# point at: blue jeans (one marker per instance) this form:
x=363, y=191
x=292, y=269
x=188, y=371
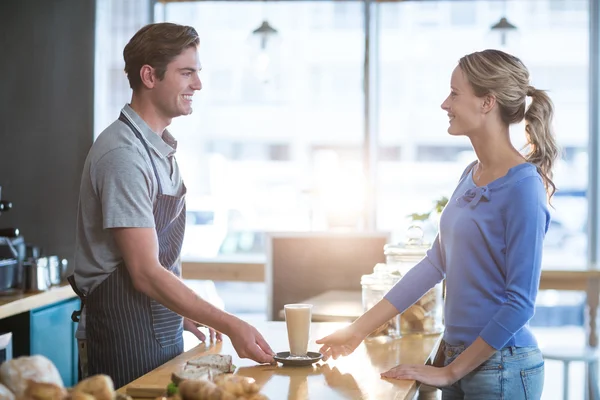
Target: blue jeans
x=512, y=373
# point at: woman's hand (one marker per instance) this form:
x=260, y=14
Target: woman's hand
x=432, y=376
x=345, y=341
x=340, y=343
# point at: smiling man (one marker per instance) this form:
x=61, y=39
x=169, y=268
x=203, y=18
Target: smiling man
x=131, y=222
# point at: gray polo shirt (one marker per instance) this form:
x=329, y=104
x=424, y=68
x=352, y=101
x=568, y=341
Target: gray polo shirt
x=118, y=190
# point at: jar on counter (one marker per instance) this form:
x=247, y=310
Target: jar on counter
x=374, y=287
x=425, y=317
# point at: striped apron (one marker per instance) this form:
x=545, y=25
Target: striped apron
x=129, y=334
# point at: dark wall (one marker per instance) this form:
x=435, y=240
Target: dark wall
x=46, y=115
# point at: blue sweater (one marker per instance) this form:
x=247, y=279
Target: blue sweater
x=489, y=249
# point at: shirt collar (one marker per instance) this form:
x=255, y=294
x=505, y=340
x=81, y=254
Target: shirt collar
x=164, y=147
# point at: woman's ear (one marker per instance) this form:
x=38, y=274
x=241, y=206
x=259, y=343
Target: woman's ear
x=489, y=101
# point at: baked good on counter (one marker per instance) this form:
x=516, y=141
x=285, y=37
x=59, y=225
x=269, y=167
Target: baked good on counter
x=203, y=390
x=420, y=317
x=209, y=378
x=204, y=378
x=36, y=378
x=99, y=386
x=226, y=387
x=44, y=391
x=5, y=393
x=237, y=385
x=81, y=396
x=16, y=374
x=221, y=362
x=195, y=373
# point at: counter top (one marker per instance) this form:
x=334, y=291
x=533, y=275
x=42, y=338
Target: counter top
x=354, y=377
x=15, y=304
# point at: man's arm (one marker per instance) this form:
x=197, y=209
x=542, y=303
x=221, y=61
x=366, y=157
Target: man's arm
x=139, y=248
x=124, y=185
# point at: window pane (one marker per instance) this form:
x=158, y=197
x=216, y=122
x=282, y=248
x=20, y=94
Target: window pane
x=415, y=78
x=116, y=22
x=275, y=139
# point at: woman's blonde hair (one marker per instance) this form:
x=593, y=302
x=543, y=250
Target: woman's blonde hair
x=493, y=72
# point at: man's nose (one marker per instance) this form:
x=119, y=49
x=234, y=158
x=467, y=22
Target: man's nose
x=197, y=84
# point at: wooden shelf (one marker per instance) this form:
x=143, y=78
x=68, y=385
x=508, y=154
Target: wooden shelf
x=19, y=303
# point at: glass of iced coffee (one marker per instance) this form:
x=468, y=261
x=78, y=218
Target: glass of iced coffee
x=297, y=319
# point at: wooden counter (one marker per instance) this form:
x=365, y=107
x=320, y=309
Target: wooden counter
x=19, y=303
x=354, y=377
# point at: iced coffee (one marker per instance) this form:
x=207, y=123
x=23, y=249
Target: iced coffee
x=297, y=319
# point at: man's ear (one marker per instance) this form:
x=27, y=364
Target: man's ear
x=489, y=101
x=148, y=76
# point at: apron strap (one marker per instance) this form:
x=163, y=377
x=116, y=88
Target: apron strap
x=137, y=134
x=76, y=315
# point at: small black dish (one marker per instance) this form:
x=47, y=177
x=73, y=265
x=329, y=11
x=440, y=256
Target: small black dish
x=284, y=358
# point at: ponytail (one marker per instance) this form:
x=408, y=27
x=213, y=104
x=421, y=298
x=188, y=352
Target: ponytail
x=542, y=143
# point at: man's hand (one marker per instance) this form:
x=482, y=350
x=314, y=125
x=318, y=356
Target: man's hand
x=249, y=343
x=191, y=326
x=432, y=376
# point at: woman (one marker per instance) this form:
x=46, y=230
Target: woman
x=489, y=246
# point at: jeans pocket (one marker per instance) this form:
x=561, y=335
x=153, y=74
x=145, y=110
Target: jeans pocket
x=491, y=364
x=495, y=366
x=533, y=381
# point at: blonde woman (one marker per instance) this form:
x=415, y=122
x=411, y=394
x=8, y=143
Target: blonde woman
x=489, y=247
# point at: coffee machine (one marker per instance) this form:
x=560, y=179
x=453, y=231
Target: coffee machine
x=23, y=266
x=12, y=255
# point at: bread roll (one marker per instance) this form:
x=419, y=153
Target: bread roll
x=414, y=313
x=44, y=391
x=5, y=393
x=81, y=396
x=101, y=387
x=203, y=390
x=429, y=296
x=15, y=373
x=237, y=385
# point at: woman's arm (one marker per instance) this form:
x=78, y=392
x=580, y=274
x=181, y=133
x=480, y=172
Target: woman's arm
x=473, y=356
x=407, y=291
x=478, y=352
x=422, y=277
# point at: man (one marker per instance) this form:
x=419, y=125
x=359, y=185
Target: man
x=131, y=222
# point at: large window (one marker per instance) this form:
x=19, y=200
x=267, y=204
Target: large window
x=414, y=66
x=276, y=140
x=116, y=22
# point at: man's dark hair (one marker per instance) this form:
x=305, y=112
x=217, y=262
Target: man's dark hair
x=156, y=45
